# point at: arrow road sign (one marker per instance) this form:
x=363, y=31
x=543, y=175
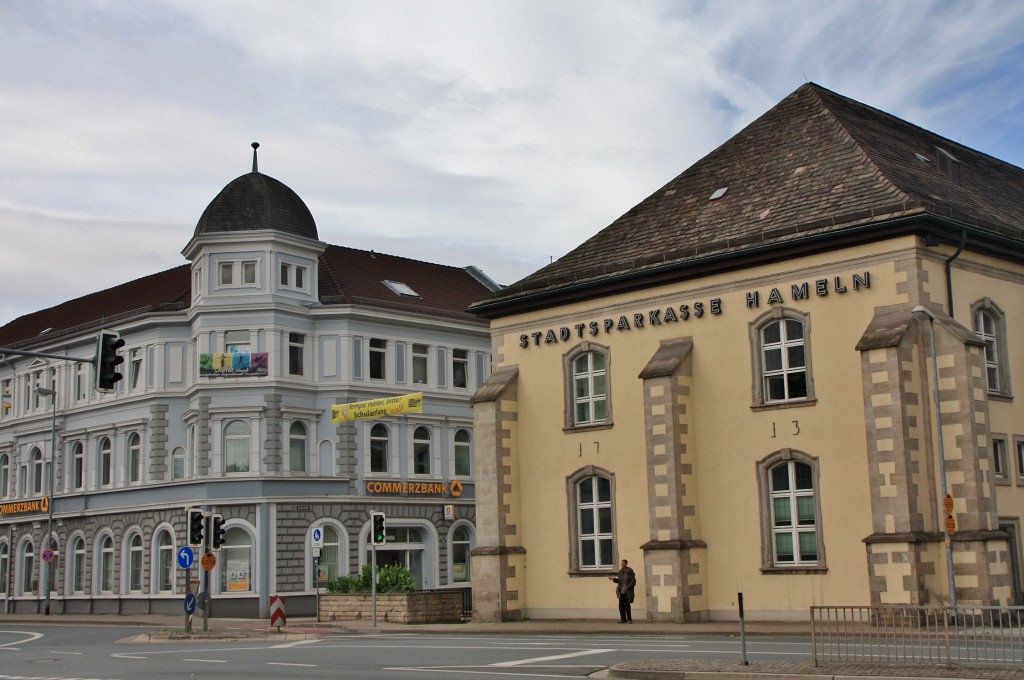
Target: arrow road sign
x=190, y=604
x=185, y=557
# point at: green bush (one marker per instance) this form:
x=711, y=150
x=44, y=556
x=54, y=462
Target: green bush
x=392, y=579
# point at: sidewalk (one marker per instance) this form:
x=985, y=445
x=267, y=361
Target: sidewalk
x=651, y=669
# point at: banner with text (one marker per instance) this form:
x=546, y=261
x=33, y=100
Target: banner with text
x=377, y=408
x=233, y=365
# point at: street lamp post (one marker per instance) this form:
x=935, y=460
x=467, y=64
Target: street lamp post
x=44, y=566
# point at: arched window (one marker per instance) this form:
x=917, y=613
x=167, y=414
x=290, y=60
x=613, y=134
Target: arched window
x=791, y=511
x=178, y=462
x=781, y=357
x=106, y=471
x=330, y=553
x=236, y=446
x=27, y=584
x=463, y=454
x=77, y=565
x=134, y=457
x=592, y=499
x=236, y=564
x=588, y=386
x=77, y=466
x=297, y=447
x=133, y=575
x=105, y=560
x=990, y=327
x=5, y=565
x=379, y=448
x=164, y=562
x=421, y=451
x=37, y=471
x=460, y=544
x=5, y=477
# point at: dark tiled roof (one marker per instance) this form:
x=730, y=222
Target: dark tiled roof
x=347, y=276
x=169, y=290
x=817, y=167
x=357, y=277
x=256, y=201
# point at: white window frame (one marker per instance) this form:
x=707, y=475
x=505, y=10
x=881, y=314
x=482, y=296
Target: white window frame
x=457, y=448
x=386, y=440
x=768, y=495
x=452, y=549
x=294, y=277
x=460, y=359
x=241, y=273
x=134, y=458
x=104, y=562
x=296, y=348
x=1001, y=467
x=786, y=370
x=133, y=563
x=105, y=461
x=380, y=354
x=298, y=439
x=593, y=399
x=163, y=561
x=77, y=471
x=420, y=363
x=598, y=536
x=78, y=567
x=418, y=442
x=228, y=436
x=989, y=324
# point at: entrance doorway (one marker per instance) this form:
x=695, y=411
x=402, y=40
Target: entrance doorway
x=404, y=548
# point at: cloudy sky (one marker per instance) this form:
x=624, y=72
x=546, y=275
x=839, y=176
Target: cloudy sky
x=500, y=133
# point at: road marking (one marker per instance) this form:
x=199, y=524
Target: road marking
x=303, y=665
x=32, y=637
x=449, y=670
x=287, y=645
x=522, y=662
x=207, y=660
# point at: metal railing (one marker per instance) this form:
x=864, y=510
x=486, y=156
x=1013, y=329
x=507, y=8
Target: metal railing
x=952, y=636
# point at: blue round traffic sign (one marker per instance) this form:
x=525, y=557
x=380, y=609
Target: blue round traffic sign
x=190, y=604
x=185, y=557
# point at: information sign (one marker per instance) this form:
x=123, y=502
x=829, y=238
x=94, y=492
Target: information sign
x=185, y=557
x=209, y=561
x=190, y=604
x=318, y=538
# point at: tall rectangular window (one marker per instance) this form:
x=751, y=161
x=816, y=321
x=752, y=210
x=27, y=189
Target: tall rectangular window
x=136, y=367
x=460, y=368
x=296, y=341
x=1000, y=468
x=590, y=388
x=378, y=358
x=420, y=356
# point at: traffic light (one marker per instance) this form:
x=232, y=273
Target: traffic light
x=217, y=531
x=379, y=536
x=196, y=525
x=108, y=360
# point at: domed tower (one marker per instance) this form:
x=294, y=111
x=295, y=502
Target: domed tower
x=255, y=244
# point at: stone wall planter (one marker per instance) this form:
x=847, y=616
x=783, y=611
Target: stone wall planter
x=430, y=606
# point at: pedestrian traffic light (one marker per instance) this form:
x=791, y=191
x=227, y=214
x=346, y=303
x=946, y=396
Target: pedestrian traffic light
x=108, y=360
x=379, y=531
x=217, y=531
x=196, y=525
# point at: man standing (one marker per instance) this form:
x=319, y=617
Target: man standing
x=625, y=582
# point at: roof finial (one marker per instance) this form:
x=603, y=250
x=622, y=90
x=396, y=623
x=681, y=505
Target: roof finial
x=255, y=145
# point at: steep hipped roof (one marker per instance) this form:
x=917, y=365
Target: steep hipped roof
x=815, y=171
x=256, y=201
x=347, y=276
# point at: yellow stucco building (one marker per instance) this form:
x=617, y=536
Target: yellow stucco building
x=788, y=373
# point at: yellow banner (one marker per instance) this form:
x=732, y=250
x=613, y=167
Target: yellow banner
x=377, y=408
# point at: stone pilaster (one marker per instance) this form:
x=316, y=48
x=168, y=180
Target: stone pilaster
x=675, y=556
x=203, y=433
x=906, y=452
x=345, y=450
x=158, y=441
x=499, y=558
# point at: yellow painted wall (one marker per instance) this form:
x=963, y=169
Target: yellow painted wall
x=730, y=436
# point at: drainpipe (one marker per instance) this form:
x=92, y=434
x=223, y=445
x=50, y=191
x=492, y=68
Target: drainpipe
x=949, y=271
x=942, y=451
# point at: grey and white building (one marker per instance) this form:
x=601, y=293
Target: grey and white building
x=231, y=365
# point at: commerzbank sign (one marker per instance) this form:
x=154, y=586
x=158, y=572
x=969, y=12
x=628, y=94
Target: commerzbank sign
x=696, y=309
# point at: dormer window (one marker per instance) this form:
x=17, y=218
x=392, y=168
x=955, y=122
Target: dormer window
x=399, y=288
x=948, y=165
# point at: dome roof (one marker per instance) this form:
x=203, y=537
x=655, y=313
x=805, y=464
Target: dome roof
x=256, y=201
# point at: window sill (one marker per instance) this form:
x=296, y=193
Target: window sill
x=793, y=570
x=606, y=425
x=1000, y=396
x=592, y=573
x=783, y=405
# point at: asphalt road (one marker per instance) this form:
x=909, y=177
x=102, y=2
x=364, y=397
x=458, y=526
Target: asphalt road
x=116, y=653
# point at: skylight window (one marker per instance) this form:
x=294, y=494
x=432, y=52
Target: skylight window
x=718, y=194
x=400, y=288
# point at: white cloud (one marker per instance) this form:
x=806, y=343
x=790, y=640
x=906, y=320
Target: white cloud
x=500, y=133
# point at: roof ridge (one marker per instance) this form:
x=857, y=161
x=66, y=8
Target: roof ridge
x=817, y=90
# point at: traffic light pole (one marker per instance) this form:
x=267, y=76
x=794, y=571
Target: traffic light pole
x=373, y=584
x=206, y=576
